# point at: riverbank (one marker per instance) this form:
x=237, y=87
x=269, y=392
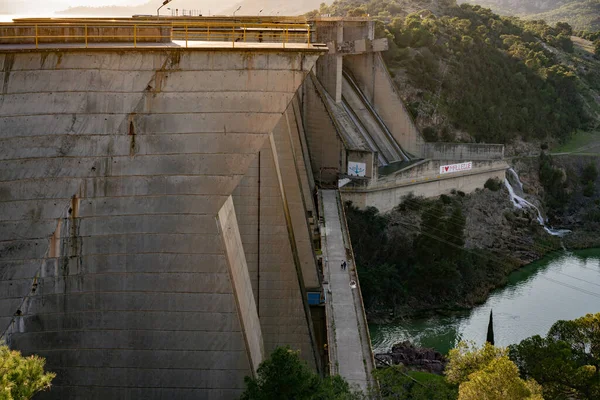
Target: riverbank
x=564, y=286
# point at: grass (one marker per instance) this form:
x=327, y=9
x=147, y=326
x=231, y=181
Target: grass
x=583, y=45
x=581, y=143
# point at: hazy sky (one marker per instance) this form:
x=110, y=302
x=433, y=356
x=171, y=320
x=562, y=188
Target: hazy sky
x=44, y=6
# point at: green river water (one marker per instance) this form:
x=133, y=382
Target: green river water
x=561, y=286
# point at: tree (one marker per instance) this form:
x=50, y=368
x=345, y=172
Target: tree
x=564, y=28
x=285, y=376
x=583, y=334
x=567, y=362
x=589, y=174
x=489, y=374
x=490, y=331
x=499, y=380
x=466, y=359
x=397, y=382
x=553, y=179
x=21, y=377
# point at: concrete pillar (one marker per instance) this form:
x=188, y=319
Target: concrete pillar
x=242, y=288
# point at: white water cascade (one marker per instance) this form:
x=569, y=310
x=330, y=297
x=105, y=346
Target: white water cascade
x=521, y=203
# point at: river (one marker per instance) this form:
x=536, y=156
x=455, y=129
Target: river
x=560, y=286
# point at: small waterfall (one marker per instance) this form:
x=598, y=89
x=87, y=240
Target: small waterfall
x=521, y=203
x=515, y=176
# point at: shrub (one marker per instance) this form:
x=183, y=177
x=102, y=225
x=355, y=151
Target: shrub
x=589, y=189
x=593, y=215
x=493, y=184
x=429, y=134
x=445, y=199
x=589, y=174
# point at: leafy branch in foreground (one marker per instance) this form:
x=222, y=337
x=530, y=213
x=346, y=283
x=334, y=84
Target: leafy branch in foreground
x=22, y=377
x=488, y=373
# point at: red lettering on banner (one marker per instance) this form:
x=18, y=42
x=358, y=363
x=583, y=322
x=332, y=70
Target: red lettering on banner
x=467, y=166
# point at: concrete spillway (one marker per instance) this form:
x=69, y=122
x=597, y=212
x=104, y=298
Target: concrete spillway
x=368, y=122
x=120, y=250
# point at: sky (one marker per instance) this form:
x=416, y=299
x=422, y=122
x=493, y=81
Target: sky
x=49, y=6
x=46, y=8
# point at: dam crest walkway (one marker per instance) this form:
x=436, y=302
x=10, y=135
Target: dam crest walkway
x=348, y=336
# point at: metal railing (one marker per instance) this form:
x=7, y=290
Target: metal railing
x=97, y=32
x=242, y=32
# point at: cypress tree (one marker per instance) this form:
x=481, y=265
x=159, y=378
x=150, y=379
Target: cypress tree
x=490, y=332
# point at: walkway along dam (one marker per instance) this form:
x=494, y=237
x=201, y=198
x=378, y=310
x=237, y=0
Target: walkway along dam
x=171, y=196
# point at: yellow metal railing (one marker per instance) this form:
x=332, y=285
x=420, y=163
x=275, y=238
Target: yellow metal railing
x=242, y=32
x=98, y=32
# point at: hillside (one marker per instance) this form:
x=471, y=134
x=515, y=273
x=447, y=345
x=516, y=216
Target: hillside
x=382, y=10
x=580, y=14
x=519, y=7
x=467, y=74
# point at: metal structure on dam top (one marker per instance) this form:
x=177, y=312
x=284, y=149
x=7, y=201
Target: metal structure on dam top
x=183, y=32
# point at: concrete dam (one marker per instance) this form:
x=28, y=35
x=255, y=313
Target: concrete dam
x=164, y=223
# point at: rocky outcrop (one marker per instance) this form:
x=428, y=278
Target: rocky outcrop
x=416, y=358
x=494, y=224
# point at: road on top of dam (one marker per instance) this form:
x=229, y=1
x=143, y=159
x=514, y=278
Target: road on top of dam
x=349, y=344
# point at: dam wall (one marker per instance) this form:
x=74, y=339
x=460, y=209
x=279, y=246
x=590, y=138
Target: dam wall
x=119, y=259
x=326, y=147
